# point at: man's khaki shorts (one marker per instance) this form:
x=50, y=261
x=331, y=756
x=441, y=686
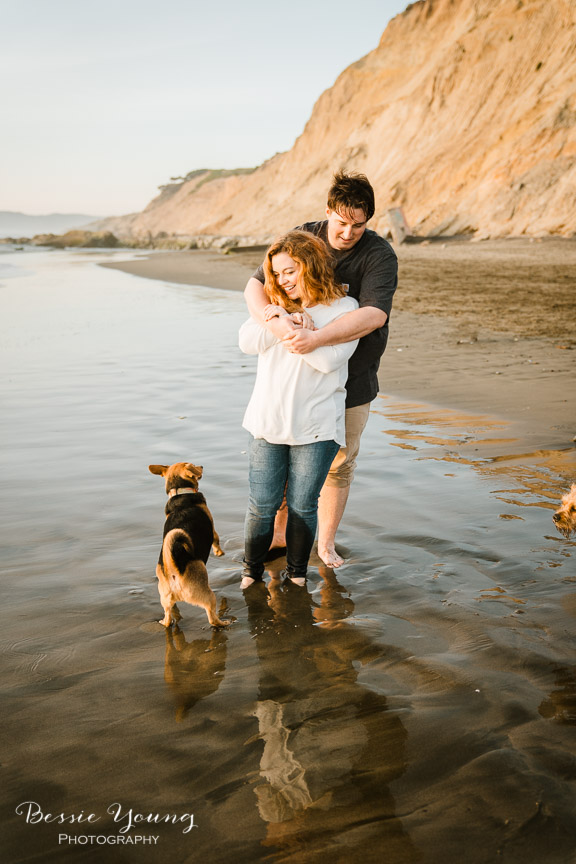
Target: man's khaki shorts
x=342, y=469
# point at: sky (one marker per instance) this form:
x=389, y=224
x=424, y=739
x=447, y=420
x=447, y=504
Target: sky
x=103, y=102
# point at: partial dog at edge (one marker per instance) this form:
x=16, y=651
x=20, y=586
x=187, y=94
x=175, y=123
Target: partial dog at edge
x=565, y=516
x=188, y=535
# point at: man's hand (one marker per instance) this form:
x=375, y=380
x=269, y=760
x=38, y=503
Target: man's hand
x=303, y=319
x=347, y=328
x=301, y=341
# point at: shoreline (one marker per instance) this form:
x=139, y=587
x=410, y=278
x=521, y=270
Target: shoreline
x=442, y=356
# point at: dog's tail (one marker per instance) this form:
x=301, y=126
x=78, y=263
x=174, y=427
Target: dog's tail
x=177, y=546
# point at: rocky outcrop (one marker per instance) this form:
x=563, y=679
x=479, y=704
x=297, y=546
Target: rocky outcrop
x=81, y=239
x=464, y=116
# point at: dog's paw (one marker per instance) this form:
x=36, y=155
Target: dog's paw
x=220, y=622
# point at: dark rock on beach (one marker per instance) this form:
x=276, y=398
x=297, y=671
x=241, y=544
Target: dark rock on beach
x=80, y=239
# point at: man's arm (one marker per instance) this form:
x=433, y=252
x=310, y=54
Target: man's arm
x=351, y=326
x=329, y=358
x=256, y=299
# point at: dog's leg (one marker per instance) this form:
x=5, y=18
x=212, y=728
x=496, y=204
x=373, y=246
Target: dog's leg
x=167, y=603
x=207, y=601
x=213, y=618
x=167, y=620
x=200, y=594
x=216, y=548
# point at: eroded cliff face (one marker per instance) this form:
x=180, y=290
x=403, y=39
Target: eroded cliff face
x=464, y=115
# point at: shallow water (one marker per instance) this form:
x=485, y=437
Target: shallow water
x=417, y=705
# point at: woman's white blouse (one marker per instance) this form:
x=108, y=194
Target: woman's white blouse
x=298, y=398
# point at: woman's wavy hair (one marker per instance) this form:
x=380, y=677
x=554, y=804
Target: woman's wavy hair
x=316, y=277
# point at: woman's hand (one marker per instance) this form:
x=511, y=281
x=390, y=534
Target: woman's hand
x=281, y=327
x=303, y=320
x=272, y=311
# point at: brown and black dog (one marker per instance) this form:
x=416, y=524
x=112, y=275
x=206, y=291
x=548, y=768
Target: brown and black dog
x=188, y=535
x=565, y=516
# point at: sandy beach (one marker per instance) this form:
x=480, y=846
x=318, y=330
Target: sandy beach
x=417, y=705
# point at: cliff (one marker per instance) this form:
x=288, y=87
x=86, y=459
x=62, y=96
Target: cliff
x=464, y=115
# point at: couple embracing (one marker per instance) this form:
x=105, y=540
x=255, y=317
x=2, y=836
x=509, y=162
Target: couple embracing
x=319, y=307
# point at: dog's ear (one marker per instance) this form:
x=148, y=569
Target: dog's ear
x=158, y=469
x=192, y=472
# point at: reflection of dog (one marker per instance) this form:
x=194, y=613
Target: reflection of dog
x=565, y=516
x=193, y=670
x=188, y=535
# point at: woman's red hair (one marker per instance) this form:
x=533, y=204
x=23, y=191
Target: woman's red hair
x=316, y=277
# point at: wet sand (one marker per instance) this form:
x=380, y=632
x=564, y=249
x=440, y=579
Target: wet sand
x=417, y=705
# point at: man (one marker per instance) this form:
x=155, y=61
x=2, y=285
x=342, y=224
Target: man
x=367, y=265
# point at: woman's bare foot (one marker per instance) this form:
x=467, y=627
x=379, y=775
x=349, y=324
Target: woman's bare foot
x=330, y=557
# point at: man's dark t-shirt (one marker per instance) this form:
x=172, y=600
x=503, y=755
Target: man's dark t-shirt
x=370, y=270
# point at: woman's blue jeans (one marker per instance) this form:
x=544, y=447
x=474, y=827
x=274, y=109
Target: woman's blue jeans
x=301, y=469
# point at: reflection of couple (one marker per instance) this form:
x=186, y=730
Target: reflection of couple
x=331, y=746
x=319, y=324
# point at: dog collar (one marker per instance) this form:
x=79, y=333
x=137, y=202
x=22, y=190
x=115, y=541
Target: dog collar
x=184, y=491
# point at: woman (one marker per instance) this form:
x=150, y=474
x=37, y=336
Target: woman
x=296, y=412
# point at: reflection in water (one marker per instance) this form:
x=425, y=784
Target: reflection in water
x=560, y=705
x=331, y=746
x=537, y=474
x=193, y=670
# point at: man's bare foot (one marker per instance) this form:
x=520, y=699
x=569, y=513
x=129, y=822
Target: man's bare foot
x=330, y=557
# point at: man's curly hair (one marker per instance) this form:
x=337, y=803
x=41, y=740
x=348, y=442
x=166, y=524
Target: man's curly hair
x=350, y=192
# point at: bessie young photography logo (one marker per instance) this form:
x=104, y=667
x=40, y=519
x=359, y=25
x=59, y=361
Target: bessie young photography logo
x=127, y=817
